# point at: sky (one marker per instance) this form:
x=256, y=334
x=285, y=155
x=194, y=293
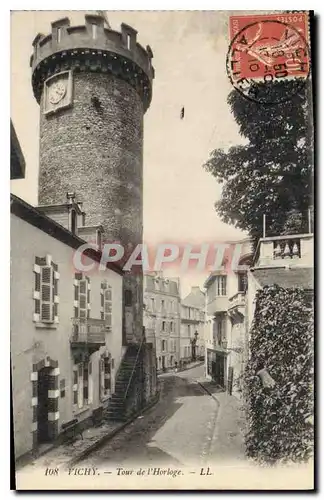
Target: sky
x=189, y=49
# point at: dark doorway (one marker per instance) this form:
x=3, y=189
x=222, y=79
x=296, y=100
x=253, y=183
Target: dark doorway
x=42, y=408
x=219, y=370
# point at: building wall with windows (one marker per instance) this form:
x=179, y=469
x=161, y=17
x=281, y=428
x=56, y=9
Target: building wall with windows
x=226, y=319
x=65, y=326
x=192, y=326
x=162, y=318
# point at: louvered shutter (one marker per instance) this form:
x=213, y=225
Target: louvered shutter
x=46, y=294
x=37, y=289
x=107, y=306
x=85, y=383
x=101, y=378
x=75, y=386
x=88, y=296
x=80, y=385
x=83, y=298
x=90, y=384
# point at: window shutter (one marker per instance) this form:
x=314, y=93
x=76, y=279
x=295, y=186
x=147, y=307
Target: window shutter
x=37, y=282
x=107, y=306
x=85, y=383
x=75, y=386
x=90, y=383
x=88, y=297
x=101, y=378
x=83, y=298
x=37, y=289
x=80, y=385
x=46, y=294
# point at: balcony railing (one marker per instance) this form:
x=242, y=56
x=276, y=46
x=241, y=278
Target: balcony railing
x=283, y=250
x=89, y=330
x=237, y=300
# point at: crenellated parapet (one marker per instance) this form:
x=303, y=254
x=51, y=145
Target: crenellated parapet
x=92, y=47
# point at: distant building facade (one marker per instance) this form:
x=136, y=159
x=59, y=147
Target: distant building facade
x=192, y=332
x=162, y=318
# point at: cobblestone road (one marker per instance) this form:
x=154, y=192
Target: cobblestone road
x=178, y=430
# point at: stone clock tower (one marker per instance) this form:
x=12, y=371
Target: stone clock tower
x=93, y=86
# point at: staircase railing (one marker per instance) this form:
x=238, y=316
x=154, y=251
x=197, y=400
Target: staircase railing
x=134, y=367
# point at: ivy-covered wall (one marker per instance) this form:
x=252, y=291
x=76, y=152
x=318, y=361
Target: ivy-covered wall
x=280, y=418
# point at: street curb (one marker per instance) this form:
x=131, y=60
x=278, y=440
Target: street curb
x=208, y=392
x=191, y=367
x=180, y=371
x=104, y=439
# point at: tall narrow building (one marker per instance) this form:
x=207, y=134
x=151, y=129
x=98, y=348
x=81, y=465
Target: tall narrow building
x=93, y=85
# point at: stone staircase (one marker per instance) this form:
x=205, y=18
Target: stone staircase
x=119, y=408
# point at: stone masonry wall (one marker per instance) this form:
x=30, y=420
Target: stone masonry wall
x=96, y=152
x=95, y=149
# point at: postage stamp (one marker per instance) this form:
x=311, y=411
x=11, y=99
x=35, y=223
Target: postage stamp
x=268, y=58
x=162, y=232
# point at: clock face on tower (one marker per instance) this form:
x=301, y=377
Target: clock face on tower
x=57, y=91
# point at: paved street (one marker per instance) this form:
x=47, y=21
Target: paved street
x=176, y=431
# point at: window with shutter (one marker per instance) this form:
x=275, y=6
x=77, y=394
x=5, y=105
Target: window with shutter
x=90, y=383
x=80, y=385
x=75, y=386
x=101, y=378
x=82, y=297
x=108, y=305
x=46, y=294
x=85, y=383
x=107, y=374
x=46, y=290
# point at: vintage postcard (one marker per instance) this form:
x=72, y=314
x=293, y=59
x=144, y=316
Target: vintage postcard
x=162, y=229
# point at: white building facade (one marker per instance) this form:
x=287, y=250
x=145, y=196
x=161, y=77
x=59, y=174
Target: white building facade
x=226, y=308
x=162, y=318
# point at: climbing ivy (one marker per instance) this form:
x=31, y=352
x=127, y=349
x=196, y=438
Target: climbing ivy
x=279, y=419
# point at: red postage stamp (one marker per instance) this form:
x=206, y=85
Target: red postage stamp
x=266, y=50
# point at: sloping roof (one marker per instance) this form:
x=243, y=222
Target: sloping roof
x=196, y=298
x=34, y=217
x=285, y=277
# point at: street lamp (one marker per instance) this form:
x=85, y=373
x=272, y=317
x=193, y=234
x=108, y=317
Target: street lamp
x=193, y=346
